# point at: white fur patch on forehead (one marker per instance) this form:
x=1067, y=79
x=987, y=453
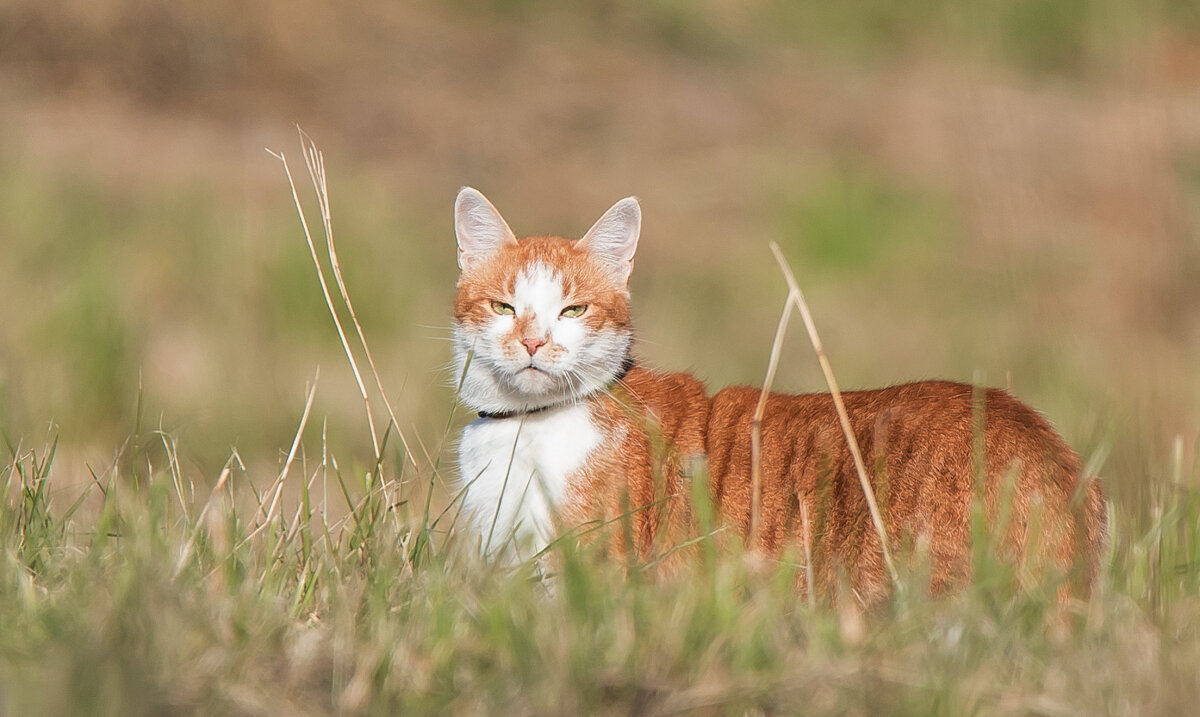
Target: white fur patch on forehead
x=539, y=289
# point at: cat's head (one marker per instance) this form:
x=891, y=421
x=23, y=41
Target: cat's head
x=540, y=321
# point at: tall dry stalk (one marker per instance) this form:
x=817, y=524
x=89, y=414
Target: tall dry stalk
x=314, y=161
x=796, y=298
x=756, y=426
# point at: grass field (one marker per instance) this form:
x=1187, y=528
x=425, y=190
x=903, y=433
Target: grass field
x=1009, y=194
x=174, y=600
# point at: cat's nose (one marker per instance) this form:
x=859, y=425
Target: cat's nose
x=532, y=345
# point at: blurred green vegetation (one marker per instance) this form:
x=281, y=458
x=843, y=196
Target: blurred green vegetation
x=857, y=222
x=111, y=292
x=1074, y=38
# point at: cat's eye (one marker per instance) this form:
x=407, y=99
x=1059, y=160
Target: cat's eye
x=502, y=308
x=574, y=311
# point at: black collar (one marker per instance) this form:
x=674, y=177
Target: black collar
x=626, y=366
x=513, y=414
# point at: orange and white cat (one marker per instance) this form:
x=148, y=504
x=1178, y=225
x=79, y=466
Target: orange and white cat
x=571, y=430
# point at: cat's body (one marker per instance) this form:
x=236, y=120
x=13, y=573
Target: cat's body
x=919, y=442
x=572, y=433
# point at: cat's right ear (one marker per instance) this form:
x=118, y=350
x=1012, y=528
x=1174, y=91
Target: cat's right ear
x=479, y=227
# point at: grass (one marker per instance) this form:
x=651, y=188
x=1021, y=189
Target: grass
x=145, y=595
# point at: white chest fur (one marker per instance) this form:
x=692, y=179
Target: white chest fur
x=517, y=471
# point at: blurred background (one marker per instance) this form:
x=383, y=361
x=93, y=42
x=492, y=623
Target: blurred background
x=1006, y=192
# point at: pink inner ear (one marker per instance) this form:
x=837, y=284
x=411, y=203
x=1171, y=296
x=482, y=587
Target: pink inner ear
x=478, y=226
x=613, y=238
x=615, y=260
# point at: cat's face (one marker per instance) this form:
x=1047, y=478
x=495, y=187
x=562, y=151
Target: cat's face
x=540, y=321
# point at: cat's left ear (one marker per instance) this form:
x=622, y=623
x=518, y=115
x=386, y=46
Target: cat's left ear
x=613, y=238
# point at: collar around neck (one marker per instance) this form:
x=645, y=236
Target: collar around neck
x=626, y=366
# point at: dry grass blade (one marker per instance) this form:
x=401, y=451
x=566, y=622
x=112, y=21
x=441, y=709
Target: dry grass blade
x=809, y=591
x=756, y=424
x=797, y=297
x=171, y=451
x=198, y=525
x=277, y=488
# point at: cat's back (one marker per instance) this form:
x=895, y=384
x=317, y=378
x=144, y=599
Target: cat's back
x=943, y=413
x=920, y=443
x=916, y=432
x=810, y=422
x=676, y=403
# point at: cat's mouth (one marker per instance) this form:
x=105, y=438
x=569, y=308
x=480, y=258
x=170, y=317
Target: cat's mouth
x=534, y=379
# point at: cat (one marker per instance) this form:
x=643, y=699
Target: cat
x=574, y=434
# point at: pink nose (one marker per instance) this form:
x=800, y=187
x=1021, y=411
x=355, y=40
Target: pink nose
x=532, y=345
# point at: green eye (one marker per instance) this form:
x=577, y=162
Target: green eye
x=574, y=312
x=502, y=308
